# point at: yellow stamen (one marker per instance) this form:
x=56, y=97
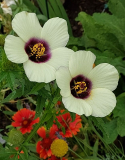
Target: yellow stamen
x=37, y=49
x=81, y=86
x=59, y=147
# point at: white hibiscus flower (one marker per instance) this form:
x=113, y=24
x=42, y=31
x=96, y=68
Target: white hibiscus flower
x=87, y=90
x=5, y=5
x=41, y=50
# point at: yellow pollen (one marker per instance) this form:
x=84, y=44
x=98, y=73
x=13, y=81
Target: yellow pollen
x=38, y=49
x=80, y=86
x=59, y=147
x=25, y=122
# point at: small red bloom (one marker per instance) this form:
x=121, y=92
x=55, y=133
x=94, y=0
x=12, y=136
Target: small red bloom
x=56, y=158
x=71, y=128
x=43, y=146
x=59, y=103
x=24, y=119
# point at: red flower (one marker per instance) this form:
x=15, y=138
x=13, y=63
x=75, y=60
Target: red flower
x=24, y=119
x=71, y=128
x=56, y=158
x=43, y=146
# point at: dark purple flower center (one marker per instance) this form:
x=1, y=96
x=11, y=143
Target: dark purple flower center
x=80, y=87
x=38, y=50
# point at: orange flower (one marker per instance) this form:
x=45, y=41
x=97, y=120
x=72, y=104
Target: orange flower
x=24, y=119
x=55, y=158
x=43, y=146
x=71, y=128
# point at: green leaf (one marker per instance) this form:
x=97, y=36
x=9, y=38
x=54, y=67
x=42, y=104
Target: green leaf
x=114, y=25
x=40, y=104
x=111, y=133
x=9, y=97
x=103, y=35
x=106, y=128
x=36, y=88
x=3, y=75
x=19, y=105
x=121, y=126
x=9, y=113
x=11, y=79
x=73, y=116
x=117, y=7
x=120, y=107
x=31, y=6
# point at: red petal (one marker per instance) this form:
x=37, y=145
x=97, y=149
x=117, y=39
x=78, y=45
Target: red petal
x=53, y=129
x=38, y=147
x=41, y=132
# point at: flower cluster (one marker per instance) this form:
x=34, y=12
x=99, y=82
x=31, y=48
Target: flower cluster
x=53, y=143
x=84, y=89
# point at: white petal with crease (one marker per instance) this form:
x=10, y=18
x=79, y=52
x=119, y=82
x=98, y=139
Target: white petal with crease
x=14, y=49
x=102, y=102
x=39, y=72
x=78, y=106
x=63, y=79
x=55, y=32
x=81, y=63
x=104, y=76
x=60, y=57
x=26, y=25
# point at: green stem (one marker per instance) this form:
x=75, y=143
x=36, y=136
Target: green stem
x=75, y=153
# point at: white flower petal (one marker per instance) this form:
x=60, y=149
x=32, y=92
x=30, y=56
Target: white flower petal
x=104, y=76
x=9, y=2
x=26, y=25
x=78, y=106
x=60, y=57
x=14, y=49
x=55, y=32
x=39, y=72
x=81, y=63
x=102, y=102
x=63, y=79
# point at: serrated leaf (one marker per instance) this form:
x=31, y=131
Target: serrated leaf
x=117, y=7
x=11, y=79
x=3, y=75
x=9, y=97
x=114, y=25
x=100, y=33
x=40, y=104
x=36, y=88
